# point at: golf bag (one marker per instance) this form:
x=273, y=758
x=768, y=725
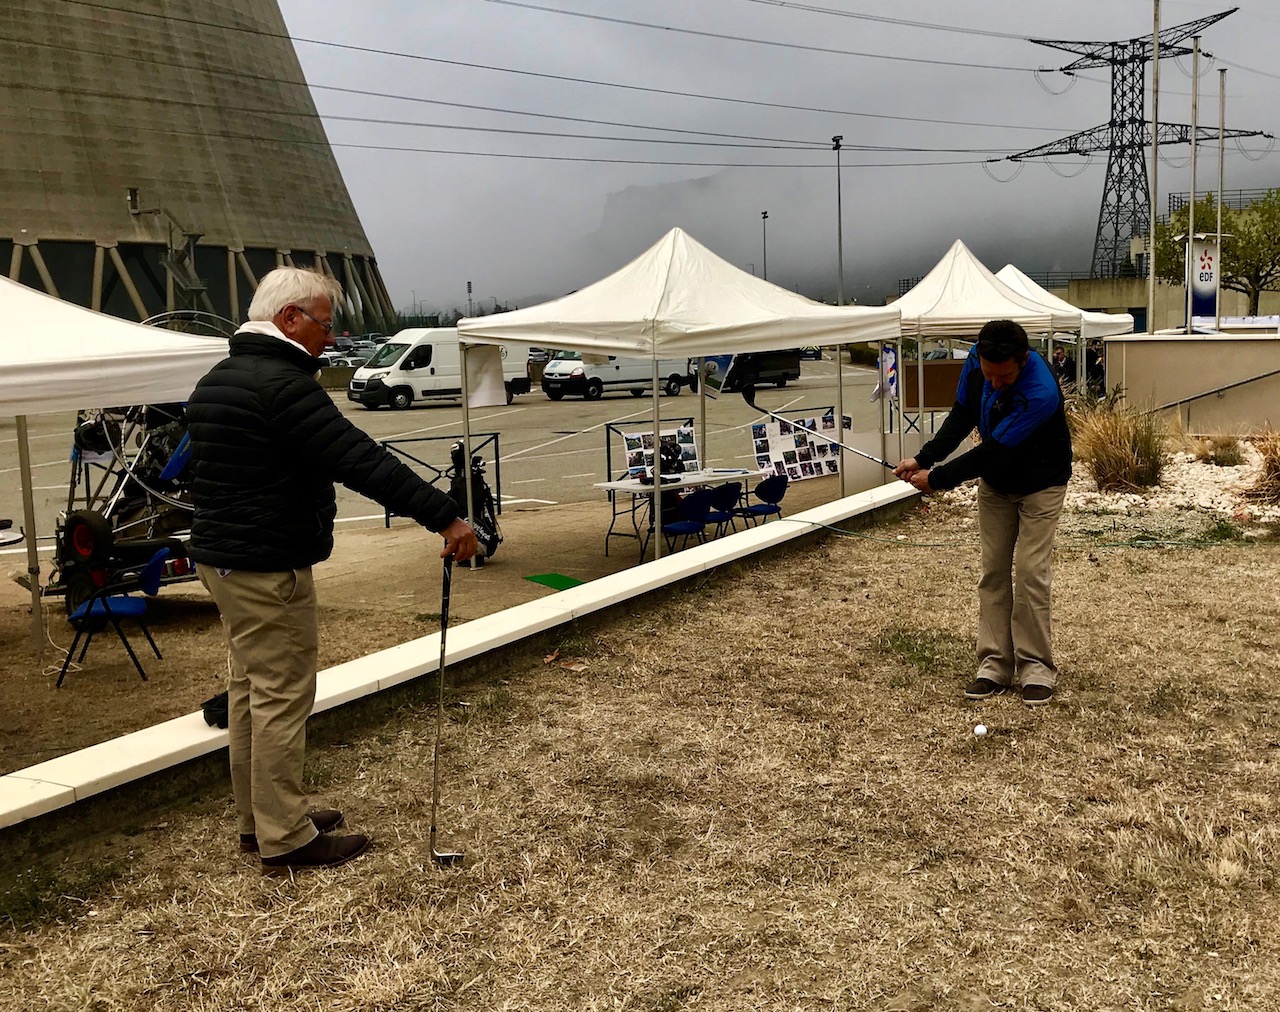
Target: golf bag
x=488, y=532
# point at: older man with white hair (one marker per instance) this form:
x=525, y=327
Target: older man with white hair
x=267, y=445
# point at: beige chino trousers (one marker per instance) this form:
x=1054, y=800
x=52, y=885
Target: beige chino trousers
x=1015, y=600
x=272, y=632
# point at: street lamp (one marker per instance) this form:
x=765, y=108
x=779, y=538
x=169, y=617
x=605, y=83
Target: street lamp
x=835, y=144
x=764, y=241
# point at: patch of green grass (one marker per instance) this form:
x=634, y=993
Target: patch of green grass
x=928, y=651
x=38, y=897
x=432, y=617
x=575, y=645
x=1222, y=531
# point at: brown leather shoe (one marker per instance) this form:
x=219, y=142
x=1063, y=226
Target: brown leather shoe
x=326, y=820
x=322, y=852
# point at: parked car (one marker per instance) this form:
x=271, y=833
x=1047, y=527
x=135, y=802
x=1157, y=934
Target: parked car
x=811, y=352
x=342, y=343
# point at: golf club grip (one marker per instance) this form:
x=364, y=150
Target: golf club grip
x=446, y=585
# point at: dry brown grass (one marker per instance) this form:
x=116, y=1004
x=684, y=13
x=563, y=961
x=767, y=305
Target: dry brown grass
x=1122, y=447
x=763, y=791
x=1267, y=487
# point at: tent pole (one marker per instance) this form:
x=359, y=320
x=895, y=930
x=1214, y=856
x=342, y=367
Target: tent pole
x=466, y=439
x=898, y=398
x=655, y=511
x=840, y=415
x=919, y=392
x=702, y=415
x=29, y=521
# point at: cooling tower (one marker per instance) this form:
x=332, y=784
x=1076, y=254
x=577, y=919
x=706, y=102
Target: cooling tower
x=165, y=154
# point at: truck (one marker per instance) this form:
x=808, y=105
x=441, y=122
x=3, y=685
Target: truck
x=424, y=364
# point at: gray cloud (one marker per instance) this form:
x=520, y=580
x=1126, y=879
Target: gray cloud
x=525, y=229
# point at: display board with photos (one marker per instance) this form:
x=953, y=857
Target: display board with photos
x=790, y=448
x=639, y=447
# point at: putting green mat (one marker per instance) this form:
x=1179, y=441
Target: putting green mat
x=556, y=581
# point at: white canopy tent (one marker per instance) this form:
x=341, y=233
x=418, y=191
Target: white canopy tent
x=960, y=294
x=678, y=300
x=1093, y=324
x=62, y=357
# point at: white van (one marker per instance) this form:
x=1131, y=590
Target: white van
x=567, y=373
x=424, y=364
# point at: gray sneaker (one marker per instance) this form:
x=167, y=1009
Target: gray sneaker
x=1037, y=695
x=981, y=688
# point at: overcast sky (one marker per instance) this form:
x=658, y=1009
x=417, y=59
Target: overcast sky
x=469, y=182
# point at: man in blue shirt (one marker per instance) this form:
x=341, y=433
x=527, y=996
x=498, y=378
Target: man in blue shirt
x=1023, y=462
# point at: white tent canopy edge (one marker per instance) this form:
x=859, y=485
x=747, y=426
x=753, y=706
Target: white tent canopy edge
x=62, y=357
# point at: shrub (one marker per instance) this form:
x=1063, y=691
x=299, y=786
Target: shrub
x=1267, y=487
x=1122, y=447
x=1226, y=450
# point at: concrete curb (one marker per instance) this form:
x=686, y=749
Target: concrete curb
x=58, y=783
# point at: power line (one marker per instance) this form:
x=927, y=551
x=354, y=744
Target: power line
x=260, y=138
x=667, y=92
x=779, y=145
x=902, y=22
x=760, y=42
x=824, y=166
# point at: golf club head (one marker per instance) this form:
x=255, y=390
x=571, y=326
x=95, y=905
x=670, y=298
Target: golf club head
x=444, y=858
x=749, y=395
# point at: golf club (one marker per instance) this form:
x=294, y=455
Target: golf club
x=444, y=858
x=749, y=395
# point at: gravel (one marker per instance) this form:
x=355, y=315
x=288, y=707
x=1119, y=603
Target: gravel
x=1194, y=500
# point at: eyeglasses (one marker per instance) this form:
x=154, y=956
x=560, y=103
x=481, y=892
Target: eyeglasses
x=328, y=327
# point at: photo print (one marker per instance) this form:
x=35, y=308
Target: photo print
x=639, y=447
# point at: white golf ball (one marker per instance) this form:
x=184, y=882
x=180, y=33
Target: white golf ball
x=980, y=730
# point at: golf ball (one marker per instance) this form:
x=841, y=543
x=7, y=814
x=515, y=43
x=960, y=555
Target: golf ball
x=980, y=730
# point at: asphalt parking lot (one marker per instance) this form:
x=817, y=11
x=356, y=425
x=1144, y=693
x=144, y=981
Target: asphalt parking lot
x=551, y=452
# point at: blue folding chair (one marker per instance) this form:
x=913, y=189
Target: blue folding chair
x=692, y=511
x=111, y=603
x=724, y=500
x=769, y=493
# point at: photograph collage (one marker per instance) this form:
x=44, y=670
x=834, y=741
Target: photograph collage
x=790, y=448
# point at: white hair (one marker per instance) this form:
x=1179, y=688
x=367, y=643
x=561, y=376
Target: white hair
x=292, y=286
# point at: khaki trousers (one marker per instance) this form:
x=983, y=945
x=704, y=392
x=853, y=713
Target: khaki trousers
x=272, y=633
x=1015, y=604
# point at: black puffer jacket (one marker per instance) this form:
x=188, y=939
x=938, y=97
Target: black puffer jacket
x=267, y=444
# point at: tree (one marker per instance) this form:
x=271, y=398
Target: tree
x=1250, y=253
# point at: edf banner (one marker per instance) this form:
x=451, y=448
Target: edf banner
x=1203, y=273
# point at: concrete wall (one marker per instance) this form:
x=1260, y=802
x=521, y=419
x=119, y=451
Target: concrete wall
x=1155, y=371
x=1129, y=295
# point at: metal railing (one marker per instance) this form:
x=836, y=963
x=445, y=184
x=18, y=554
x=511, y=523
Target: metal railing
x=1217, y=391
